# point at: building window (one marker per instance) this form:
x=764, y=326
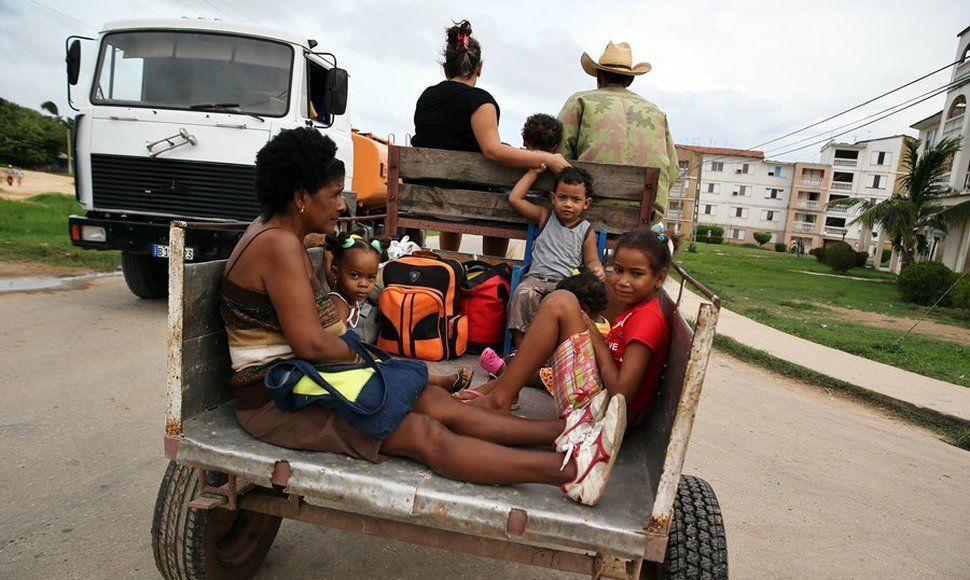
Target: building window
x=740, y=212
x=876, y=182
x=742, y=190
x=773, y=193
x=774, y=171
x=930, y=139
x=881, y=157
x=709, y=209
x=717, y=166
x=713, y=187
x=769, y=215
x=737, y=234
x=742, y=169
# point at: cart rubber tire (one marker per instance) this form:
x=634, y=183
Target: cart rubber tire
x=697, y=546
x=191, y=544
x=147, y=277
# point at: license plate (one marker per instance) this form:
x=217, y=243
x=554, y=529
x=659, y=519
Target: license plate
x=160, y=251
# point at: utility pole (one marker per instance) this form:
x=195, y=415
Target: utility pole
x=70, y=154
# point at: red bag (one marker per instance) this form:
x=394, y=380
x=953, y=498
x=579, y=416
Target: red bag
x=484, y=301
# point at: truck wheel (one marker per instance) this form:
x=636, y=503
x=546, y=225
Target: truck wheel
x=213, y=544
x=147, y=277
x=697, y=547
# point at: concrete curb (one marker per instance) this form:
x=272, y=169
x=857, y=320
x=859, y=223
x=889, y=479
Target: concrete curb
x=883, y=382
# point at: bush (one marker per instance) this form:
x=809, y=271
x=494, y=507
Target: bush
x=924, y=283
x=861, y=259
x=692, y=248
x=710, y=234
x=762, y=237
x=840, y=257
x=960, y=295
x=819, y=253
x=780, y=247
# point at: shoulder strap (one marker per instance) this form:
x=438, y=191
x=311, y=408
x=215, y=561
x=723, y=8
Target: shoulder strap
x=246, y=247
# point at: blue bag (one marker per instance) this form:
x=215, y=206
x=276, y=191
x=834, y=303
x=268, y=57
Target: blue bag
x=373, y=395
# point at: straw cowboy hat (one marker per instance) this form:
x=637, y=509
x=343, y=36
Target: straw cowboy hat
x=617, y=58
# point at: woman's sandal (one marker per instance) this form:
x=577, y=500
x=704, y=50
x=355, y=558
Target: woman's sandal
x=463, y=380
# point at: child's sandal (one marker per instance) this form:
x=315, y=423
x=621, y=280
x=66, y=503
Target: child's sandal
x=463, y=380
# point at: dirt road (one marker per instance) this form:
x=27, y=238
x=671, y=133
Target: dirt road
x=811, y=486
x=38, y=182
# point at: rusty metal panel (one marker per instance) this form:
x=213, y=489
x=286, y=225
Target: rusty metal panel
x=173, y=382
x=406, y=491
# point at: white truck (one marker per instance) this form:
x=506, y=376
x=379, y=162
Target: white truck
x=169, y=124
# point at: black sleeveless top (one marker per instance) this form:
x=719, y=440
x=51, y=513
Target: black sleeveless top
x=443, y=116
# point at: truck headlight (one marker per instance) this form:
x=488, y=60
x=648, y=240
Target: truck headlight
x=93, y=234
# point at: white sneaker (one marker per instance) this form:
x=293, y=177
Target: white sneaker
x=596, y=454
x=579, y=422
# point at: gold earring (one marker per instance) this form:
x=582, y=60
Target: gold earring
x=301, y=209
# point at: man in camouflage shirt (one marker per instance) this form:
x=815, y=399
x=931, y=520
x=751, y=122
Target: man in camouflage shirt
x=612, y=124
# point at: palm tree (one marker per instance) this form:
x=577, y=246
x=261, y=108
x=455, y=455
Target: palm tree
x=909, y=214
x=50, y=107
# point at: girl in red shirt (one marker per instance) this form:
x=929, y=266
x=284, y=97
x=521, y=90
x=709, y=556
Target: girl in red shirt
x=628, y=362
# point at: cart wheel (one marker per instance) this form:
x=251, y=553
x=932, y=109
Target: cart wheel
x=697, y=547
x=201, y=545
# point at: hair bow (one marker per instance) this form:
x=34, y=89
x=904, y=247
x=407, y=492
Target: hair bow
x=662, y=237
x=349, y=242
x=461, y=41
x=376, y=245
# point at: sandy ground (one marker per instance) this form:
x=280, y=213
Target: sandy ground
x=38, y=269
x=926, y=327
x=36, y=182
x=811, y=486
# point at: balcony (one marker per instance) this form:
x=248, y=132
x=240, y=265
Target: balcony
x=810, y=182
x=842, y=185
x=804, y=227
x=806, y=204
x=677, y=190
x=837, y=162
x=674, y=214
x=835, y=231
x=953, y=127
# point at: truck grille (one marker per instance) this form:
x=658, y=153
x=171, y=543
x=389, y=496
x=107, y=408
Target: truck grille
x=171, y=187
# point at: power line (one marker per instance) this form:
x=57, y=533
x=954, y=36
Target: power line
x=238, y=11
x=63, y=15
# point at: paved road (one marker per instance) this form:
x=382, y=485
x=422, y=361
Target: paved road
x=811, y=486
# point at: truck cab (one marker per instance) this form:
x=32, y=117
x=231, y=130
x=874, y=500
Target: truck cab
x=169, y=123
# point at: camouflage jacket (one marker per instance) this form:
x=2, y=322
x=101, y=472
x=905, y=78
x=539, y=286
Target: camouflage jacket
x=615, y=125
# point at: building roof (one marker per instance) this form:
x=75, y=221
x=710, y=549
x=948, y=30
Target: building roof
x=962, y=32
x=864, y=141
x=933, y=119
x=205, y=25
x=724, y=151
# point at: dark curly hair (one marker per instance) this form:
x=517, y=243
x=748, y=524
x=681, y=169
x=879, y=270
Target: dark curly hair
x=542, y=132
x=339, y=245
x=462, y=53
x=653, y=245
x=293, y=160
x=575, y=176
x=589, y=290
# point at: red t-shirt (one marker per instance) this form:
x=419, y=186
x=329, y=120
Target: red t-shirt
x=644, y=323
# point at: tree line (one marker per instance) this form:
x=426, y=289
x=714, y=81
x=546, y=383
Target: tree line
x=31, y=139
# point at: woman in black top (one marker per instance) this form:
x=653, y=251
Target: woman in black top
x=456, y=115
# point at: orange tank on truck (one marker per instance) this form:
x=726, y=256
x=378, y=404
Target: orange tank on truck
x=370, y=170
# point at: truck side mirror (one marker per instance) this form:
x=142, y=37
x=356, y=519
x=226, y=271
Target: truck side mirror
x=73, y=61
x=335, y=92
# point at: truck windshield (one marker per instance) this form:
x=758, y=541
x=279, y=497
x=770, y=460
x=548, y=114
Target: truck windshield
x=194, y=71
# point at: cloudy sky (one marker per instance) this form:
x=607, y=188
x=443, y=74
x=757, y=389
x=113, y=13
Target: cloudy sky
x=728, y=73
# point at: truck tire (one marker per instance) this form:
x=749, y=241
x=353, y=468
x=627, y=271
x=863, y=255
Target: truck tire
x=697, y=546
x=214, y=544
x=147, y=277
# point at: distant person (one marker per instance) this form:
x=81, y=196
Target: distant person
x=10, y=175
x=612, y=124
x=20, y=177
x=542, y=132
x=456, y=115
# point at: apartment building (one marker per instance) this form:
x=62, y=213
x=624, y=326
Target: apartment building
x=867, y=169
x=953, y=248
x=806, y=208
x=742, y=192
x=682, y=202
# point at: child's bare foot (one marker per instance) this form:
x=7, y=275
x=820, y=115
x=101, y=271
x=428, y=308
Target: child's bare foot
x=490, y=403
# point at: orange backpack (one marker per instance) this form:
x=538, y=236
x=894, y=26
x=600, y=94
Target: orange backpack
x=419, y=308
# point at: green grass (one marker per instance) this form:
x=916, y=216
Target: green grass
x=35, y=230
x=770, y=287
x=951, y=430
